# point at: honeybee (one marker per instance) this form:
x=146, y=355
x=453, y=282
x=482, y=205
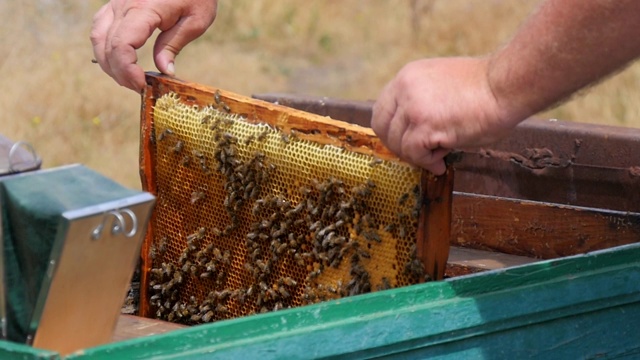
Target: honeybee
x=205, y=119
x=224, y=294
x=264, y=267
x=402, y=232
x=196, y=196
x=216, y=97
x=208, y=316
x=364, y=253
x=285, y=294
x=178, y=147
x=177, y=276
x=390, y=228
x=256, y=252
x=403, y=198
x=197, y=235
x=375, y=162
x=215, y=125
x=185, y=160
x=285, y=139
x=415, y=268
x=372, y=235
x=272, y=294
x=230, y=138
x=197, y=153
x=326, y=229
x=265, y=224
x=278, y=233
x=315, y=225
x=263, y=134
x=361, y=191
x=299, y=260
x=289, y=281
x=230, y=151
x=217, y=253
x=163, y=134
x=226, y=257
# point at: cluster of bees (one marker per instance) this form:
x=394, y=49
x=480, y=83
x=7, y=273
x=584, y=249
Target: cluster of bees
x=293, y=238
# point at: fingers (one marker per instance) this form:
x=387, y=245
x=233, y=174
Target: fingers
x=116, y=35
x=390, y=121
x=170, y=42
x=433, y=160
x=122, y=26
x=384, y=110
x=101, y=23
x=128, y=34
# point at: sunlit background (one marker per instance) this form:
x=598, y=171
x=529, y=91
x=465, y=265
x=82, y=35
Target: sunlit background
x=55, y=98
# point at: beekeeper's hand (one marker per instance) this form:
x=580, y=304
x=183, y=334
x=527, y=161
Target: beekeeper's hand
x=435, y=105
x=122, y=26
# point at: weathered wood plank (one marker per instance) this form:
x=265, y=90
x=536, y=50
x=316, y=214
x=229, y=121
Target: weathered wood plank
x=485, y=260
x=538, y=230
x=434, y=225
x=131, y=327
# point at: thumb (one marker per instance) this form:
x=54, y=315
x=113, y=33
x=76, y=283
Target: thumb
x=170, y=42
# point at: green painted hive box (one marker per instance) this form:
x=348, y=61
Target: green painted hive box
x=582, y=307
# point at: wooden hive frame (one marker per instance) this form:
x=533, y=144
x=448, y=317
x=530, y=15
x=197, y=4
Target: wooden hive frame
x=433, y=232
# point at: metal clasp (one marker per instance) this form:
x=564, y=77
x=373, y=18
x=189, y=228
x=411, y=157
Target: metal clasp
x=118, y=224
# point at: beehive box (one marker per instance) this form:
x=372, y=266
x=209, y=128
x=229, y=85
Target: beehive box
x=261, y=207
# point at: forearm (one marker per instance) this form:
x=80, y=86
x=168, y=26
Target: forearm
x=564, y=46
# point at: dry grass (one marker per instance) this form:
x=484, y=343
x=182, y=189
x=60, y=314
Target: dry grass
x=55, y=98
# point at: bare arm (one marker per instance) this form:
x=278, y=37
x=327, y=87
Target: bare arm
x=563, y=47
x=435, y=105
x=122, y=26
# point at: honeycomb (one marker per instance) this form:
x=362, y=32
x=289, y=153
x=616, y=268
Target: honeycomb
x=250, y=218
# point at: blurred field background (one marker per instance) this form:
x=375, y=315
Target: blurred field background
x=54, y=97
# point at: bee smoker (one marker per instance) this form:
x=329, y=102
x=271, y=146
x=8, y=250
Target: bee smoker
x=70, y=240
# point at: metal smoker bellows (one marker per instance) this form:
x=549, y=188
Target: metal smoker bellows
x=262, y=207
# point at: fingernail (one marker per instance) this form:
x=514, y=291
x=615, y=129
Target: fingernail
x=171, y=69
